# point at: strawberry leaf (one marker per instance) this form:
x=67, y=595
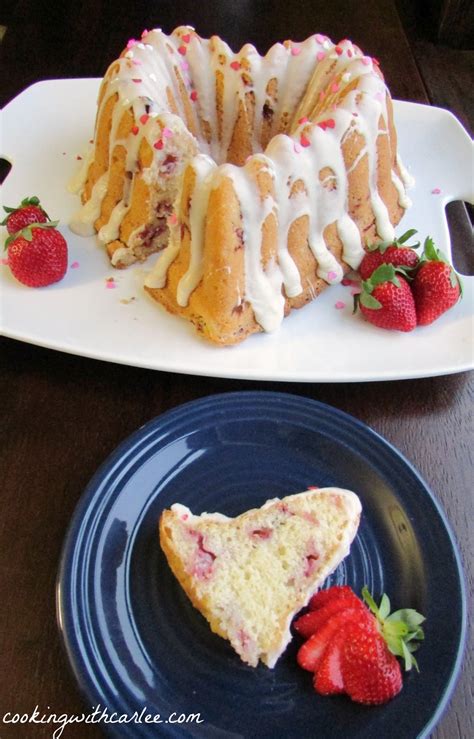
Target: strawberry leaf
x=384, y=608
x=368, y=301
x=407, y=235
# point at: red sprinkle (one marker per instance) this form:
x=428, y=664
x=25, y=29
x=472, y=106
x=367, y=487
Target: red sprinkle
x=436, y=191
x=330, y=123
x=304, y=141
x=144, y=118
x=334, y=87
x=313, y=487
x=302, y=120
x=186, y=38
x=137, y=80
x=338, y=50
x=235, y=65
x=182, y=50
x=135, y=130
x=194, y=96
x=158, y=144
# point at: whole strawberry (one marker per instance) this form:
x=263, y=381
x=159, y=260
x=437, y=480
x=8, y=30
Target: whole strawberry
x=29, y=211
x=387, y=301
x=390, y=252
x=436, y=287
x=37, y=255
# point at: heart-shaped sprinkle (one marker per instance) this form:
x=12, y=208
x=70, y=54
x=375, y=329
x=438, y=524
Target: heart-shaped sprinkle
x=182, y=50
x=436, y=191
x=137, y=62
x=235, y=65
x=302, y=120
x=131, y=42
x=145, y=32
x=167, y=132
x=335, y=87
x=304, y=141
x=340, y=305
x=320, y=39
x=338, y=50
x=295, y=50
x=158, y=144
x=349, y=53
x=185, y=65
x=194, y=96
x=137, y=80
x=172, y=220
x=135, y=130
x=320, y=56
x=74, y=265
x=332, y=275
x=144, y=118
x=186, y=38
x=366, y=60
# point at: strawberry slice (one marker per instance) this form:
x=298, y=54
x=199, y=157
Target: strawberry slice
x=311, y=652
x=312, y=621
x=328, y=679
x=323, y=597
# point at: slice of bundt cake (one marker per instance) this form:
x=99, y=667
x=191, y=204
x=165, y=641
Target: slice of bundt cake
x=264, y=177
x=251, y=574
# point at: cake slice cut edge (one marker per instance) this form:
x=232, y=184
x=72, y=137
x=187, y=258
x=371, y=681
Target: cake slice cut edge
x=250, y=575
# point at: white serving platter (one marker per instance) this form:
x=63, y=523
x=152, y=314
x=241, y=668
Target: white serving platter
x=43, y=131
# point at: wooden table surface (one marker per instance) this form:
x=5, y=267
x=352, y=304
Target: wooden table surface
x=62, y=415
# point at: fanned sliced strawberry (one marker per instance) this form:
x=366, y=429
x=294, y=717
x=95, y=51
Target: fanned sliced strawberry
x=328, y=679
x=310, y=653
x=309, y=624
x=322, y=597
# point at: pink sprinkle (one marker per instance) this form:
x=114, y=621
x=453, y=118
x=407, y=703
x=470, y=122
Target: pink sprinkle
x=167, y=132
x=332, y=275
x=158, y=144
x=304, y=141
x=182, y=50
x=110, y=283
x=4, y=261
x=186, y=38
x=137, y=80
x=131, y=42
x=320, y=39
x=313, y=487
x=349, y=283
x=320, y=56
x=338, y=50
x=302, y=120
x=74, y=265
x=366, y=60
x=340, y=305
x=172, y=219
x=135, y=130
x=235, y=65
x=334, y=87
x=436, y=191
x=194, y=96
x=295, y=50
x=349, y=53
x=331, y=123
x=144, y=33
x=136, y=62
x=185, y=65
x=144, y=118
x=297, y=147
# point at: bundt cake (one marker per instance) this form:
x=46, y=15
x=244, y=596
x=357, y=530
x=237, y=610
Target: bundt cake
x=251, y=574
x=260, y=178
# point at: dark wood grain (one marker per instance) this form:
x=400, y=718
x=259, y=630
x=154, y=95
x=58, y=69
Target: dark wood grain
x=62, y=415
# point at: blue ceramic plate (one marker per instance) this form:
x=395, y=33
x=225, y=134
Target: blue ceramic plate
x=136, y=644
